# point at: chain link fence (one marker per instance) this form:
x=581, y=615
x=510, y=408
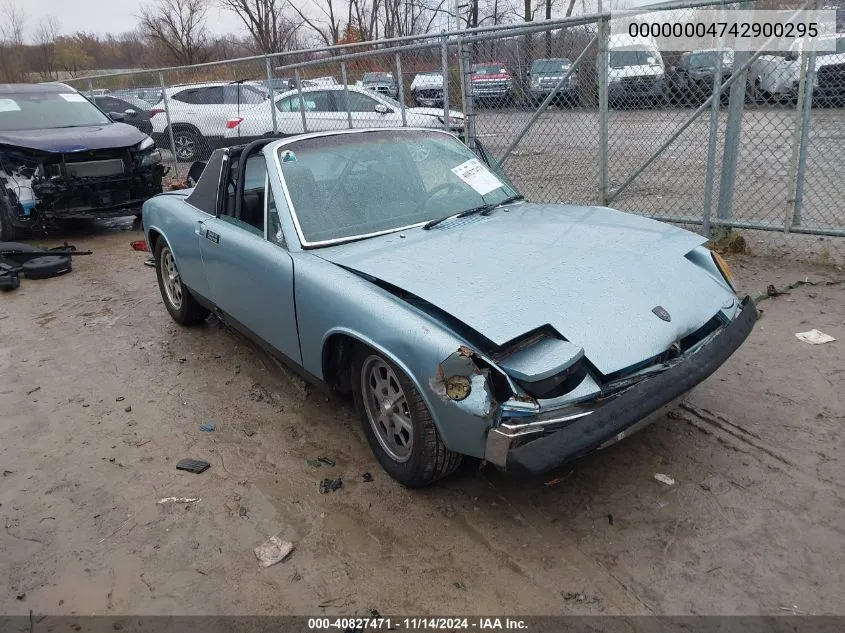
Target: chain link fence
x=717, y=141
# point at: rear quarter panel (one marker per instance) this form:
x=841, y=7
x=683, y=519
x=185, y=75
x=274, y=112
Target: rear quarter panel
x=168, y=216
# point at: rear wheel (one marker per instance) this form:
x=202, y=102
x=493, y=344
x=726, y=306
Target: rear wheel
x=177, y=298
x=188, y=145
x=397, y=422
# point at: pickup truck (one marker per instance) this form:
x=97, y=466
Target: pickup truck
x=427, y=89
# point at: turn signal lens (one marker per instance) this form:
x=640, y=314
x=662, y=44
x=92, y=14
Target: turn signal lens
x=723, y=267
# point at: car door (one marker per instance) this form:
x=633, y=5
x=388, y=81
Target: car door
x=250, y=277
x=320, y=112
x=362, y=107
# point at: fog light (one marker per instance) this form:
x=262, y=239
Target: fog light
x=458, y=387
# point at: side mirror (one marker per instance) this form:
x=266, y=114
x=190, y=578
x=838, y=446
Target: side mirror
x=130, y=112
x=117, y=117
x=382, y=109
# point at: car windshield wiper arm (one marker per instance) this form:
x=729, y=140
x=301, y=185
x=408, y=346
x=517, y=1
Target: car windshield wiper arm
x=484, y=209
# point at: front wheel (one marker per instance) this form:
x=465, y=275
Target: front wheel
x=397, y=422
x=177, y=298
x=187, y=145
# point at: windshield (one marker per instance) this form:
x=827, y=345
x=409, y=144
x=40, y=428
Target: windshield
x=550, y=66
x=348, y=186
x=708, y=59
x=371, y=78
x=623, y=57
x=47, y=110
x=489, y=69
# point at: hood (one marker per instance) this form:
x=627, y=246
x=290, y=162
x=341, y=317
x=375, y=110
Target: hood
x=438, y=112
x=593, y=274
x=427, y=81
x=646, y=70
x=75, y=139
x=491, y=76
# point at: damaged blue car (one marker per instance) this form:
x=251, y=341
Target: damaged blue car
x=397, y=266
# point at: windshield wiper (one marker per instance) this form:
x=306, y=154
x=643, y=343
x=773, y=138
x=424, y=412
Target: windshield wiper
x=484, y=209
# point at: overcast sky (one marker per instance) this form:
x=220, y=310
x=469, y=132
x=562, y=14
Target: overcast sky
x=106, y=16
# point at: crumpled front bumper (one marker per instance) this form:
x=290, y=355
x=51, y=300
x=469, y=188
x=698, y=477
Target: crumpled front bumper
x=588, y=430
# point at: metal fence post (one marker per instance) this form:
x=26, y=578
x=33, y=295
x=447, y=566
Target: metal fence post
x=400, y=84
x=733, y=132
x=798, y=121
x=301, y=99
x=469, y=98
x=805, y=135
x=165, y=99
x=444, y=62
x=604, y=175
x=90, y=89
x=711, y=143
x=346, y=93
x=272, y=93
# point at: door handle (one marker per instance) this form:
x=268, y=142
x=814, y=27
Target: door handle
x=199, y=229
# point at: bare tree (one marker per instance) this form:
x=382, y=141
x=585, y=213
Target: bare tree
x=45, y=41
x=271, y=29
x=329, y=27
x=12, y=35
x=179, y=27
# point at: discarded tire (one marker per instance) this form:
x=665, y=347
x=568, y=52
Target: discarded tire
x=9, y=281
x=46, y=267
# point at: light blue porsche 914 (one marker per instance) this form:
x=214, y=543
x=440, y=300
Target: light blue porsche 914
x=398, y=266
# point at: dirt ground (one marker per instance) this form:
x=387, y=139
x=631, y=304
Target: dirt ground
x=101, y=395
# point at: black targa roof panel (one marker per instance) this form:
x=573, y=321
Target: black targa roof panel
x=204, y=195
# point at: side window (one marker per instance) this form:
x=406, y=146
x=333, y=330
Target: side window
x=319, y=101
x=252, y=204
x=186, y=96
x=245, y=95
x=355, y=101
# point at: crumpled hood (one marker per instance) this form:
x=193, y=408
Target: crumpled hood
x=594, y=274
x=75, y=139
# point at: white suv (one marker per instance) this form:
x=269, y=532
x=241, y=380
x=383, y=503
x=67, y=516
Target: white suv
x=198, y=115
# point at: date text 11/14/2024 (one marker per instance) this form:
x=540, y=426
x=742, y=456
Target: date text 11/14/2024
x=353, y=625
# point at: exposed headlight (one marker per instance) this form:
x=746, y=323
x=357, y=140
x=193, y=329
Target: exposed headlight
x=535, y=82
x=458, y=387
x=150, y=158
x=146, y=144
x=723, y=267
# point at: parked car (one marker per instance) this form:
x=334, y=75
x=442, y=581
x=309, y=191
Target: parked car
x=776, y=77
x=492, y=84
x=63, y=158
x=136, y=111
x=383, y=83
x=318, y=81
x=691, y=81
x=396, y=266
x=427, y=89
x=150, y=95
x=545, y=74
x=198, y=115
x=329, y=108
x=635, y=72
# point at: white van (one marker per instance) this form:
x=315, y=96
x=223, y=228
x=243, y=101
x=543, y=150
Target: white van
x=635, y=72
x=776, y=76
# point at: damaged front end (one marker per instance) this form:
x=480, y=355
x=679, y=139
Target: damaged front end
x=89, y=184
x=546, y=404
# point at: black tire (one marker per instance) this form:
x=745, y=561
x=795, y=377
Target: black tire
x=185, y=310
x=189, y=144
x=46, y=267
x=428, y=459
x=9, y=280
x=8, y=232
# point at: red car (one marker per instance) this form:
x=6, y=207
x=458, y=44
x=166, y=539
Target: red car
x=492, y=83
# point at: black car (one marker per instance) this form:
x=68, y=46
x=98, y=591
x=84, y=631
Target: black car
x=690, y=82
x=135, y=110
x=62, y=158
